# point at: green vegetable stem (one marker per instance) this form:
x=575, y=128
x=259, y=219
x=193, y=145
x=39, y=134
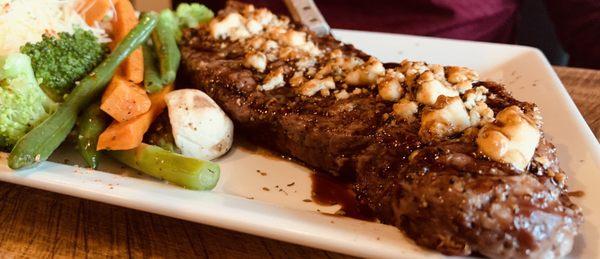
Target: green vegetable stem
x=152, y=80
x=166, y=47
x=39, y=143
x=91, y=123
x=184, y=171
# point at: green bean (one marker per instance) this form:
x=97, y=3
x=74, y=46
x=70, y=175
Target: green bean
x=152, y=80
x=91, y=123
x=39, y=143
x=166, y=47
x=184, y=171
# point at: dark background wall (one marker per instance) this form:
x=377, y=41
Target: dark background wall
x=535, y=29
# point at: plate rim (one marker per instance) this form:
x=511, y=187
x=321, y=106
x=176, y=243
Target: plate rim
x=276, y=232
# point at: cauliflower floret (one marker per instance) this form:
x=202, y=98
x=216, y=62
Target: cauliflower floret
x=23, y=104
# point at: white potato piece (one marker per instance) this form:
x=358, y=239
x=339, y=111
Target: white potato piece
x=200, y=128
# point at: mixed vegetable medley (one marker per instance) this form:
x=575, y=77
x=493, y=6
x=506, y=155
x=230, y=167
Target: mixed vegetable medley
x=106, y=77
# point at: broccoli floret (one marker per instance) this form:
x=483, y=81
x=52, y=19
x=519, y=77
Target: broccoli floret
x=58, y=62
x=186, y=16
x=190, y=15
x=23, y=104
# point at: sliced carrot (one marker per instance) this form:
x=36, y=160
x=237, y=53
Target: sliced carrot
x=134, y=67
x=94, y=10
x=111, y=86
x=125, y=20
x=124, y=100
x=129, y=134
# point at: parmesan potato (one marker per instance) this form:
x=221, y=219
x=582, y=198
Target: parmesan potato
x=200, y=128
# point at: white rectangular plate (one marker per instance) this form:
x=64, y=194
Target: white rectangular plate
x=241, y=201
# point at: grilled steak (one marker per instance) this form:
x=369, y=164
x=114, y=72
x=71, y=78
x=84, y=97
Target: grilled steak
x=456, y=163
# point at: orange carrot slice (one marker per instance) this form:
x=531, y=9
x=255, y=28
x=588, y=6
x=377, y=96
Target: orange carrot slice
x=124, y=100
x=94, y=10
x=129, y=134
x=125, y=20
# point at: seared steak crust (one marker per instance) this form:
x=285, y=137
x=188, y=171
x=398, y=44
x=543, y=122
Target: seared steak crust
x=445, y=195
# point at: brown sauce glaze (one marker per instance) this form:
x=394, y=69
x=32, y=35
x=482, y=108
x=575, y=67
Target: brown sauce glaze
x=327, y=190
x=576, y=194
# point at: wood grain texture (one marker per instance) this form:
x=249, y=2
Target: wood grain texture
x=40, y=224
x=584, y=87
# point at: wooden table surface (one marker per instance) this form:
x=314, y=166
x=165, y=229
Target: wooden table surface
x=35, y=223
